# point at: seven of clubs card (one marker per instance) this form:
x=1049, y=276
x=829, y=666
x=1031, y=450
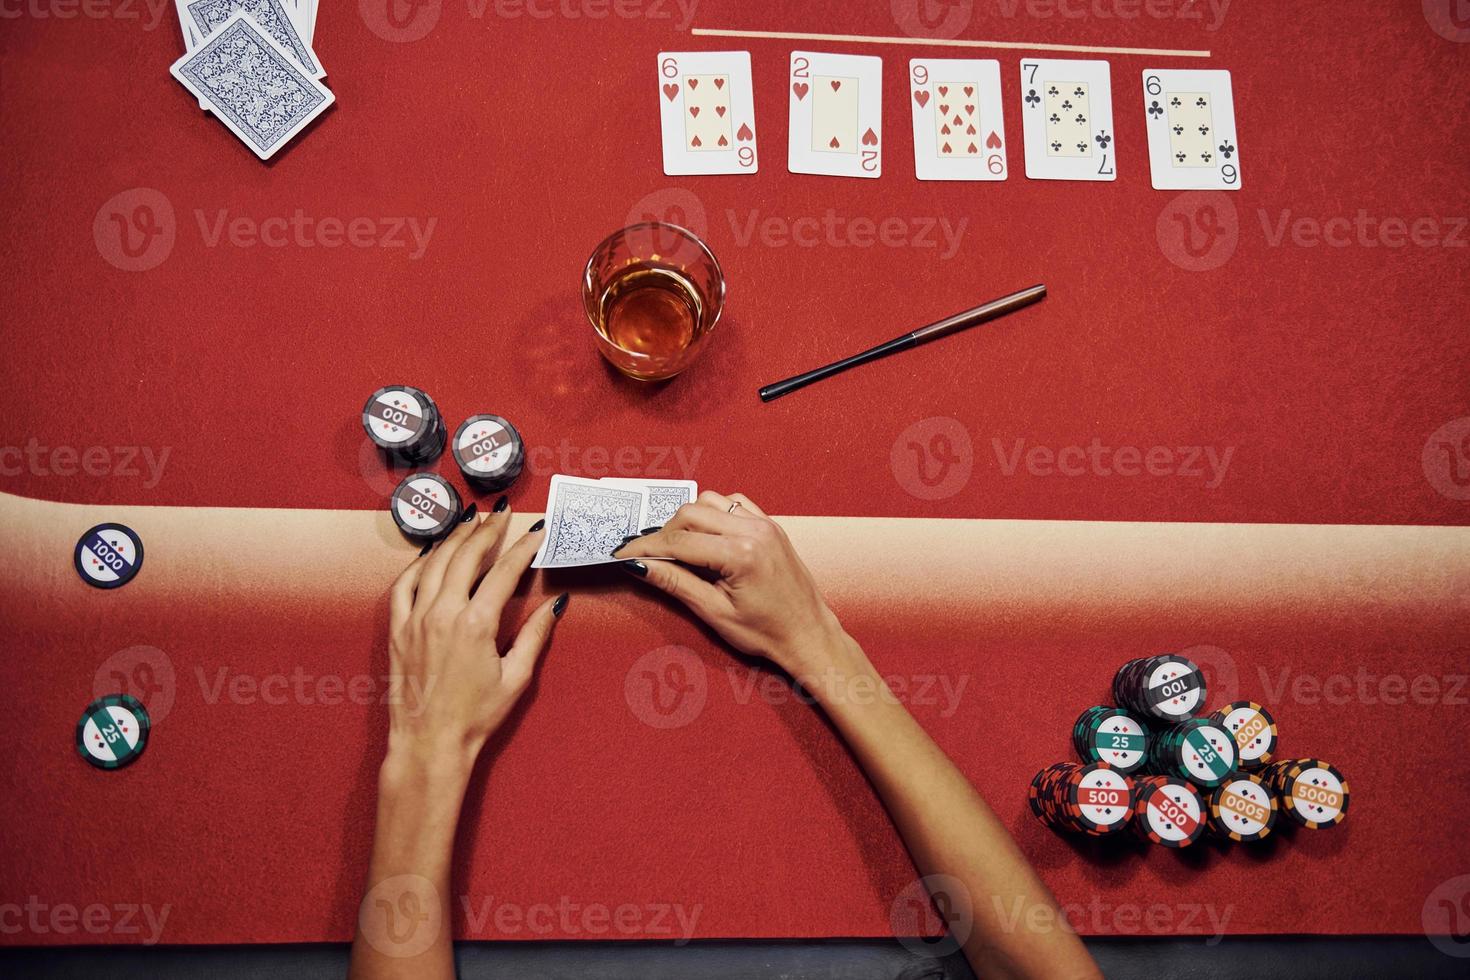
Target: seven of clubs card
x=1067, y=110
x=1191, y=130
x=959, y=128
x=707, y=106
x=836, y=114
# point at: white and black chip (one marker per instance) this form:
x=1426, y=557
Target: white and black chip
x=425, y=506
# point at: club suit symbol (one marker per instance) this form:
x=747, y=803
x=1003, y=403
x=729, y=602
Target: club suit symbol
x=667, y=687
x=1199, y=230
x=134, y=230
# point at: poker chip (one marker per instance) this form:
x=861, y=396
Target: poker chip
x=108, y=556
x=1111, y=735
x=1095, y=799
x=1242, y=809
x=113, y=731
x=1254, y=730
x=425, y=506
x=405, y=422
x=1167, y=688
x=1197, y=750
x=1168, y=812
x=1313, y=793
x=489, y=452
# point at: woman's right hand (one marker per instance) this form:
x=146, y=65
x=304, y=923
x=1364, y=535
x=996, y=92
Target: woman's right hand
x=762, y=599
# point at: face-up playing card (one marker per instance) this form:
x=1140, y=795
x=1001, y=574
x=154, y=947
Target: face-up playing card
x=1067, y=114
x=1191, y=130
x=707, y=108
x=253, y=85
x=664, y=496
x=586, y=520
x=959, y=128
x=836, y=114
x=272, y=16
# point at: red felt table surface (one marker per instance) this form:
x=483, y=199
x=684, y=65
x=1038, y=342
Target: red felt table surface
x=1325, y=374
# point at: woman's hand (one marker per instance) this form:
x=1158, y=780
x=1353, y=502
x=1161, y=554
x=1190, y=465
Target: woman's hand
x=455, y=686
x=760, y=597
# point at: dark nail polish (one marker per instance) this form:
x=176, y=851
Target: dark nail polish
x=650, y=530
x=537, y=526
x=560, y=605
x=624, y=543
x=636, y=568
x=426, y=549
x=501, y=504
x=469, y=513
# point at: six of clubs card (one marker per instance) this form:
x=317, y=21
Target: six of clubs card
x=959, y=127
x=1067, y=111
x=836, y=114
x=707, y=107
x=1191, y=130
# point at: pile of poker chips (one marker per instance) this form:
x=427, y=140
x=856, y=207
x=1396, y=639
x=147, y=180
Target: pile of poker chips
x=1186, y=774
x=1094, y=799
x=406, y=425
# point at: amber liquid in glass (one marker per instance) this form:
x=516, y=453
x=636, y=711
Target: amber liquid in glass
x=651, y=312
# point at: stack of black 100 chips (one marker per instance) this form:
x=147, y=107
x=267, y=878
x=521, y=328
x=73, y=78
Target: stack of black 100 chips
x=405, y=423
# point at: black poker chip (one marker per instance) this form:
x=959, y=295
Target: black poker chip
x=425, y=506
x=404, y=422
x=489, y=452
x=113, y=731
x=108, y=556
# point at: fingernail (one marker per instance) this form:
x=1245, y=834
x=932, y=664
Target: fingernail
x=560, y=605
x=537, y=526
x=624, y=543
x=426, y=549
x=636, y=568
x=650, y=530
x=469, y=513
x=501, y=504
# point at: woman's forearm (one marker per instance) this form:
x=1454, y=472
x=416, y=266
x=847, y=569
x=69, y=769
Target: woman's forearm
x=404, y=922
x=946, y=826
